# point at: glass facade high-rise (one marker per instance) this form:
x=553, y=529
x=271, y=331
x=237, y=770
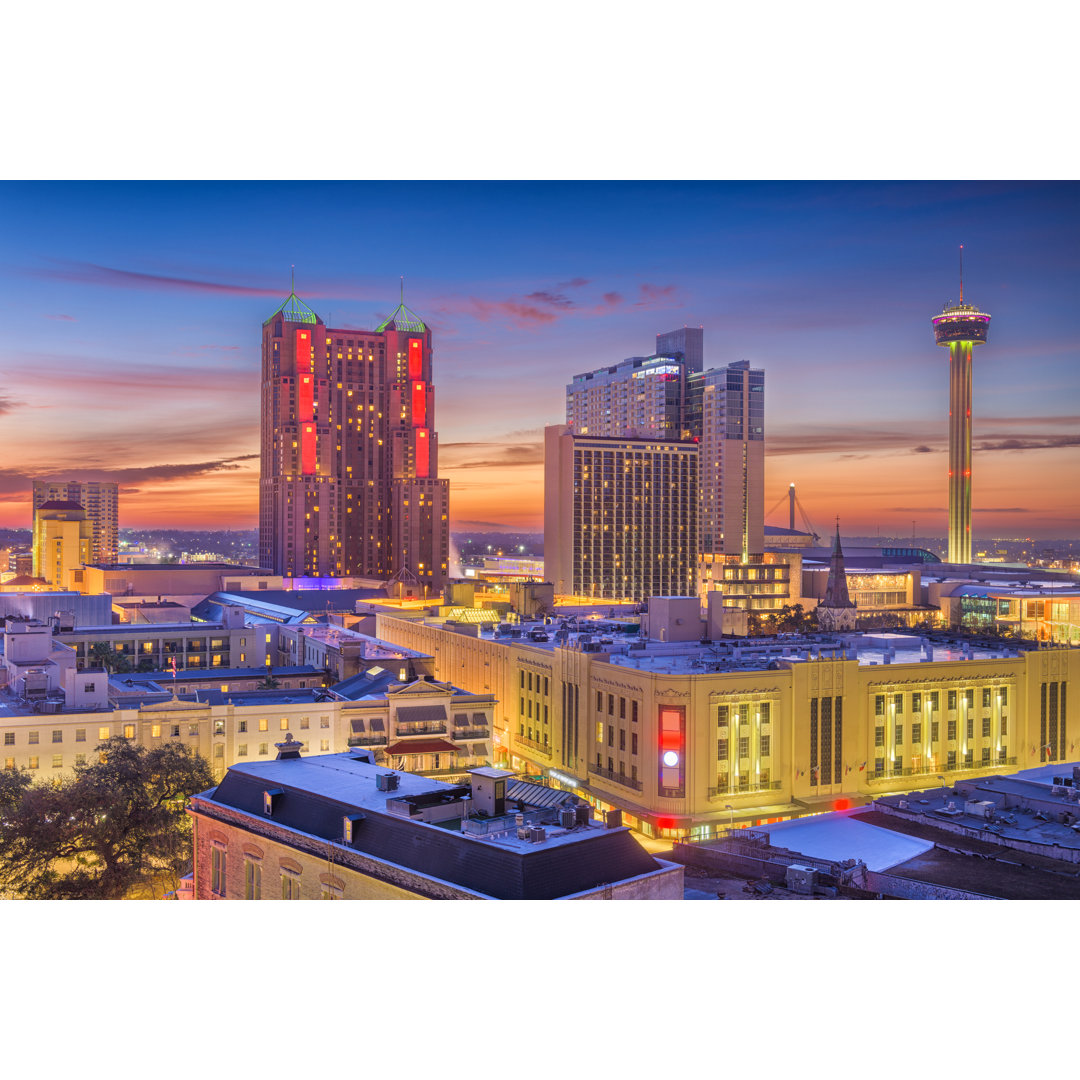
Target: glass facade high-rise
x=349, y=479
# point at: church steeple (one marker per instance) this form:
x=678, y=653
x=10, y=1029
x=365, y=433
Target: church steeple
x=836, y=611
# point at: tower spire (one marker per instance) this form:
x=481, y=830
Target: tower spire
x=403, y=288
x=961, y=273
x=292, y=279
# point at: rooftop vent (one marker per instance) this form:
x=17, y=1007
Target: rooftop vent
x=387, y=781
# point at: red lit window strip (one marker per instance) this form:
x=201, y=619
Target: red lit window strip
x=419, y=405
x=305, y=399
x=423, y=457
x=416, y=359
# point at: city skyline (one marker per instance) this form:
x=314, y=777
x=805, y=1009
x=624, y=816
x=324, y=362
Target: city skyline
x=131, y=357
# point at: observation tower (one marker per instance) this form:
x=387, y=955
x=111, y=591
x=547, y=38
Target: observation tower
x=959, y=328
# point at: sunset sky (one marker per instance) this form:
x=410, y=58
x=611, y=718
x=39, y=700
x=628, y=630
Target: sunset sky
x=132, y=317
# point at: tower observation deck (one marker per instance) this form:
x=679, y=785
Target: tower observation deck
x=959, y=328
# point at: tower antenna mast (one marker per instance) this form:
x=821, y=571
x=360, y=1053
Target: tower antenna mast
x=961, y=273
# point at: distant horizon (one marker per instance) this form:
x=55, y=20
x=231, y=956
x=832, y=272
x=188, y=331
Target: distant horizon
x=133, y=315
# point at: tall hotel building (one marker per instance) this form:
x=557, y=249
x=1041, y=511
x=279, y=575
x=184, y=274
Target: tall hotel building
x=718, y=417
x=99, y=500
x=349, y=483
x=620, y=516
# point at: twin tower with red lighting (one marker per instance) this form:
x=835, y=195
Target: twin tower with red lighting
x=349, y=474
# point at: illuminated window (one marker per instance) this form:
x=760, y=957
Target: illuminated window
x=264, y=725
x=324, y=745
x=129, y=731
x=241, y=750
x=324, y=721
x=33, y=763
x=103, y=733
x=155, y=731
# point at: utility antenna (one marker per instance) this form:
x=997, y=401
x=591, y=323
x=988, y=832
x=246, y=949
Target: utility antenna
x=292, y=287
x=961, y=273
x=403, y=288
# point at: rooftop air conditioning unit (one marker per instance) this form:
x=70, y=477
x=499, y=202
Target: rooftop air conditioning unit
x=538, y=834
x=524, y=832
x=567, y=817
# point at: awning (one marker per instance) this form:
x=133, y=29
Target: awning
x=422, y=714
x=422, y=746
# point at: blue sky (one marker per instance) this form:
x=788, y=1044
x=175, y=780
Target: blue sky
x=133, y=314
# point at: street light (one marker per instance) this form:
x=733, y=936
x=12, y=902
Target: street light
x=731, y=818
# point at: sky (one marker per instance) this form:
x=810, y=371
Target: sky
x=133, y=312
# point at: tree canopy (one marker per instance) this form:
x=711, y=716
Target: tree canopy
x=113, y=828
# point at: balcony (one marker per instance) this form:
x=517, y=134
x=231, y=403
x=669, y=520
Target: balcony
x=615, y=777
x=420, y=728
x=723, y=792
x=940, y=770
x=464, y=734
x=532, y=744
x=367, y=740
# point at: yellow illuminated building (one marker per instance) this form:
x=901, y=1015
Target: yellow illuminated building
x=688, y=739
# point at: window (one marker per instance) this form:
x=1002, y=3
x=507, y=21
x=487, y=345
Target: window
x=217, y=871
x=610, y=765
x=950, y=732
x=744, y=746
x=933, y=697
x=324, y=744
x=986, y=697
x=521, y=680
x=969, y=697
x=722, y=716
x=1004, y=694
x=916, y=733
x=898, y=702
x=879, y=736
x=58, y=761
x=611, y=704
x=969, y=756
x=193, y=729
x=103, y=733
x=331, y=891
x=88, y=688
x=58, y=735
x=599, y=701
x=971, y=727
x=80, y=759
x=175, y=731
x=622, y=708
x=241, y=727
x=155, y=731
x=935, y=731
x=879, y=705
x=33, y=763
x=764, y=745
x=952, y=759
x=264, y=725
x=986, y=727
x=633, y=711
x=952, y=699
x=262, y=748
x=899, y=734
x=622, y=739
x=304, y=723
x=129, y=731
x=32, y=738
x=916, y=702
x=252, y=880
x=986, y=755
x=610, y=735
x=324, y=721
x=9, y=738
x=290, y=887
x=1004, y=725
x=633, y=742
x=241, y=750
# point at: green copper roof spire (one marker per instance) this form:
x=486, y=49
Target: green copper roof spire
x=403, y=319
x=292, y=308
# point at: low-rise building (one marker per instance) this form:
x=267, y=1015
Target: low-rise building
x=687, y=737
x=338, y=826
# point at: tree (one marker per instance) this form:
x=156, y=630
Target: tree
x=109, y=658
x=116, y=826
